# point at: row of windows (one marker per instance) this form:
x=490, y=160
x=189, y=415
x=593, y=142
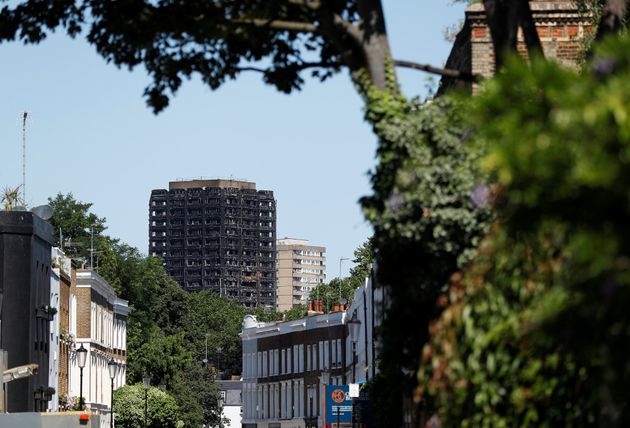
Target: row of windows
x=308, y=253
x=313, y=271
x=308, y=262
x=311, y=357
x=207, y=242
x=196, y=201
x=308, y=280
x=214, y=201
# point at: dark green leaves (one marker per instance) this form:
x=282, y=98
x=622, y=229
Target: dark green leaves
x=215, y=40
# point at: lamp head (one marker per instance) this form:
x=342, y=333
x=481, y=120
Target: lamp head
x=81, y=356
x=146, y=380
x=354, y=326
x=112, y=366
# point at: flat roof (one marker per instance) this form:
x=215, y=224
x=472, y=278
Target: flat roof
x=218, y=183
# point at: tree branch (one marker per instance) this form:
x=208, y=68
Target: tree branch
x=502, y=19
x=526, y=21
x=456, y=74
x=612, y=18
x=309, y=4
x=299, y=67
x=274, y=24
x=354, y=32
x=248, y=68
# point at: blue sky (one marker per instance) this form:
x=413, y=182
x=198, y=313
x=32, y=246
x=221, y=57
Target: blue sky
x=91, y=133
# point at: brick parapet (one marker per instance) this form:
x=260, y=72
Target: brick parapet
x=560, y=25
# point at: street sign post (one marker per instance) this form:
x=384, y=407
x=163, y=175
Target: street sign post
x=338, y=406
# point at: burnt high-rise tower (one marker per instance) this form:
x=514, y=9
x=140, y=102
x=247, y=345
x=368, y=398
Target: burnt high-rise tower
x=217, y=234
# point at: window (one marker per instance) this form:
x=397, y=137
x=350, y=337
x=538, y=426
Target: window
x=265, y=364
x=339, y=355
x=289, y=361
x=320, y=363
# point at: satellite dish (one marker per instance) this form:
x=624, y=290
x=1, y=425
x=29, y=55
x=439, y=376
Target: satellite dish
x=343, y=301
x=43, y=211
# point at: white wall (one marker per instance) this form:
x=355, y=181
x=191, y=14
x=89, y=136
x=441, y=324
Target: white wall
x=53, y=362
x=365, y=358
x=233, y=413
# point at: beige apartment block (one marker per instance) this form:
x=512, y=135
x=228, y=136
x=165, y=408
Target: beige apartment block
x=300, y=268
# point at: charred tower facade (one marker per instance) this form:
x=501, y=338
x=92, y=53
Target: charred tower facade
x=217, y=234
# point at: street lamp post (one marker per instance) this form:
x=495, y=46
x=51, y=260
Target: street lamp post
x=354, y=326
x=112, y=366
x=219, y=350
x=310, y=402
x=146, y=381
x=341, y=259
x=81, y=357
x=205, y=360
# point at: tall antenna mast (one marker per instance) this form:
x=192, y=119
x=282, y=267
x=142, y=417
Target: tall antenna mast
x=24, y=117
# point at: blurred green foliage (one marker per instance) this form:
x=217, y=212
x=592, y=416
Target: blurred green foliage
x=426, y=226
x=536, y=332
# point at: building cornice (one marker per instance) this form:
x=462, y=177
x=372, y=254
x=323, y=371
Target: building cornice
x=91, y=279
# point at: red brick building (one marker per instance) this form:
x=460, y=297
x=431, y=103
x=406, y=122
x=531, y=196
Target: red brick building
x=561, y=27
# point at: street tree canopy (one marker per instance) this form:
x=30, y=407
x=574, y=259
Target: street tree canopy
x=428, y=207
x=218, y=40
x=129, y=404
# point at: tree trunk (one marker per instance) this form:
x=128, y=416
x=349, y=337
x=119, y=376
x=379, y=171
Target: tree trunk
x=530, y=34
x=612, y=18
x=502, y=19
x=378, y=62
x=375, y=45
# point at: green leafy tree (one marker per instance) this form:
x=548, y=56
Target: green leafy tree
x=203, y=386
x=162, y=410
x=221, y=320
x=158, y=336
x=162, y=357
x=363, y=259
x=76, y=222
x=219, y=40
x=426, y=226
x=535, y=333
x=331, y=292
x=295, y=313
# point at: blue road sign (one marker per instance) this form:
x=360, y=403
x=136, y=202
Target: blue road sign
x=338, y=406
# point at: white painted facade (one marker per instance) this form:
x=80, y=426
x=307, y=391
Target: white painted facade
x=55, y=302
x=367, y=303
x=282, y=387
x=107, y=339
x=231, y=402
x=283, y=383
